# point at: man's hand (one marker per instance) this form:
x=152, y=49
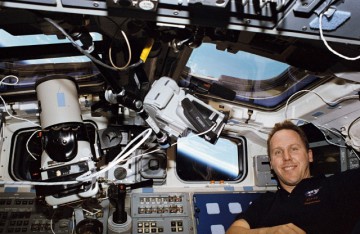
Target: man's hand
x=289, y=228
x=242, y=227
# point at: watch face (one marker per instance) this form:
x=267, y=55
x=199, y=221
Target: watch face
x=146, y=5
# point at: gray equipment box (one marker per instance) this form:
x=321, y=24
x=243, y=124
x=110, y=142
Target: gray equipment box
x=263, y=174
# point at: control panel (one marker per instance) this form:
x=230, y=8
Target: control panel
x=24, y=213
x=161, y=213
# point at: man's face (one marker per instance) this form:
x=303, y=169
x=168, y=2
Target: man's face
x=289, y=158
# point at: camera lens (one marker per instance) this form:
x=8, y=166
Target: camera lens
x=89, y=226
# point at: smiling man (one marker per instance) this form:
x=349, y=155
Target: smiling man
x=289, y=156
x=302, y=204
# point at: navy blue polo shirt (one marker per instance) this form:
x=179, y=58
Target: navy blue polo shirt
x=317, y=205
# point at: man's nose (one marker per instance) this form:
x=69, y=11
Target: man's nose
x=287, y=155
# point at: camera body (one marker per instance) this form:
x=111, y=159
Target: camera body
x=66, y=146
x=177, y=112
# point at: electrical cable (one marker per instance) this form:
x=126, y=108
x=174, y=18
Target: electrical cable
x=51, y=223
x=86, y=176
x=92, y=213
x=175, y=143
x=333, y=132
x=83, y=177
x=356, y=155
x=158, y=149
x=78, y=46
x=73, y=222
x=125, y=67
x=328, y=46
x=95, y=60
x=120, y=157
x=28, y=141
x=129, y=49
x=96, y=139
x=325, y=137
x=37, y=125
x=330, y=103
x=16, y=83
x=4, y=103
x=348, y=130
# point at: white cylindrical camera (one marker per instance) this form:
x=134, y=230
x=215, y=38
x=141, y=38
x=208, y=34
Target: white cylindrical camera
x=58, y=100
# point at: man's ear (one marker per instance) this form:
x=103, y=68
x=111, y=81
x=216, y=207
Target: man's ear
x=310, y=154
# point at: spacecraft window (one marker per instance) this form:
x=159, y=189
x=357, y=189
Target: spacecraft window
x=8, y=40
x=198, y=160
x=29, y=70
x=258, y=81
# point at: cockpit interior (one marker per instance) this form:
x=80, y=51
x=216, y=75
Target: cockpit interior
x=152, y=116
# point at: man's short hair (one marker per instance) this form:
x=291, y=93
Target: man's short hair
x=288, y=125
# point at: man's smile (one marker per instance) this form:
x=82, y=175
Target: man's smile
x=289, y=167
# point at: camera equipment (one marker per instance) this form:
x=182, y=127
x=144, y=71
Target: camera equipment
x=66, y=146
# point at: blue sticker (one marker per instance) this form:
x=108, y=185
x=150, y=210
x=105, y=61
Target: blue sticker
x=60, y=99
x=11, y=190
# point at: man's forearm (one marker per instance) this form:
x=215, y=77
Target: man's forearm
x=242, y=227
x=241, y=230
